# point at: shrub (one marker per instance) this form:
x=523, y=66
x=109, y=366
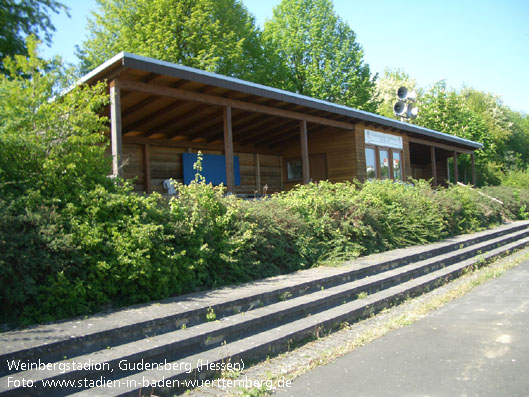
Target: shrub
x=516, y=179
x=401, y=214
x=464, y=210
x=515, y=200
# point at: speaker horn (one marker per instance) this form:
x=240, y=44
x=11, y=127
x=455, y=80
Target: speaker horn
x=399, y=108
x=402, y=93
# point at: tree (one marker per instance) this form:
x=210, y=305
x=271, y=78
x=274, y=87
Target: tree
x=517, y=144
x=446, y=111
x=214, y=35
x=387, y=87
x=48, y=144
x=319, y=54
x=21, y=18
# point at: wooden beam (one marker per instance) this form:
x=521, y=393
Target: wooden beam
x=115, y=128
x=228, y=150
x=456, y=171
x=134, y=108
x=269, y=132
x=292, y=125
x=192, y=123
x=434, y=165
x=220, y=101
x=439, y=145
x=147, y=167
x=304, y=151
x=257, y=174
x=286, y=136
x=153, y=116
x=282, y=173
x=473, y=169
x=185, y=144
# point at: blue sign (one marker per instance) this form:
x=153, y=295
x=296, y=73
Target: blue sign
x=213, y=168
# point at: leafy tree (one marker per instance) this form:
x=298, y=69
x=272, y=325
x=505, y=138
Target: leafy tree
x=319, y=54
x=387, y=87
x=214, y=35
x=21, y=18
x=48, y=143
x=517, y=145
x=445, y=110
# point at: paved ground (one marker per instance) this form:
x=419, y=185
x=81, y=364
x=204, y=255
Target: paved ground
x=477, y=345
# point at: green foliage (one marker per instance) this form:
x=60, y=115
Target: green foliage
x=210, y=315
x=465, y=210
x=22, y=18
x=516, y=154
x=214, y=35
x=73, y=241
x=401, y=214
x=51, y=144
x=519, y=179
x=445, y=110
x=318, y=54
x=387, y=87
x=515, y=200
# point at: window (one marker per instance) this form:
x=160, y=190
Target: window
x=294, y=170
x=397, y=171
x=371, y=163
x=383, y=163
x=383, y=158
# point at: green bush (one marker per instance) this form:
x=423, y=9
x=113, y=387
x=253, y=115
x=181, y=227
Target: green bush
x=516, y=179
x=73, y=241
x=465, y=210
x=401, y=214
x=515, y=200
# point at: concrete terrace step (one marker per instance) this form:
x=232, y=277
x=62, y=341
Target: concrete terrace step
x=277, y=339
x=69, y=338
x=167, y=341
x=182, y=342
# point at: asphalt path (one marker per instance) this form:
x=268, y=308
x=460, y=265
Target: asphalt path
x=477, y=345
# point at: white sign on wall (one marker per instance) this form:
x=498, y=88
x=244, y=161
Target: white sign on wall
x=381, y=139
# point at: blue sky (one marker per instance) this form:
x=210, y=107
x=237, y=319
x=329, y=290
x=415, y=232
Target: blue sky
x=482, y=44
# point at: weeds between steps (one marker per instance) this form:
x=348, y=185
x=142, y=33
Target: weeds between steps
x=313, y=352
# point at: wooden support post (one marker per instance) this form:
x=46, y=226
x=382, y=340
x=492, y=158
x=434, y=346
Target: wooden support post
x=257, y=174
x=456, y=172
x=115, y=129
x=473, y=169
x=434, y=165
x=147, y=167
x=228, y=150
x=282, y=186
x=304, y=151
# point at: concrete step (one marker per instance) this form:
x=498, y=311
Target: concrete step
x=184, y=342
x=262, y=344
x=81, y=336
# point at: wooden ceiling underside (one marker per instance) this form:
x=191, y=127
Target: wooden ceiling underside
x=161, y=117
x=155, y=106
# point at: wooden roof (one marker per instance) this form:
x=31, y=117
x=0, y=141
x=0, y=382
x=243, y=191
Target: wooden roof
x=162, y=100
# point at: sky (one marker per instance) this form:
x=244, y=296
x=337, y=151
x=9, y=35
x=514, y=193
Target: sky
x=482, y=44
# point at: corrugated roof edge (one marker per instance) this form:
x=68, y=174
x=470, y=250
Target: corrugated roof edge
x=185, y=72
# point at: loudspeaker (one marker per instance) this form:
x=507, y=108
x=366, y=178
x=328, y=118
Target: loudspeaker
x=402, y=93
x=399, y=108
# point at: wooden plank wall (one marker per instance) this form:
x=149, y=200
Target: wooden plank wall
x=339, y=146
x=166, y=163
